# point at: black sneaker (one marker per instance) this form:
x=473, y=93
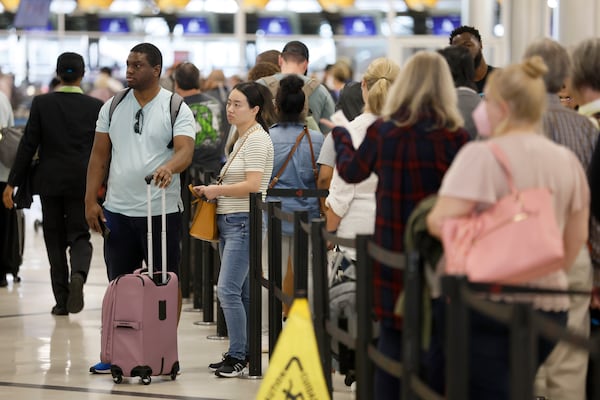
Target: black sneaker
x=75, y=300
x=231, y=367
x=215, y=366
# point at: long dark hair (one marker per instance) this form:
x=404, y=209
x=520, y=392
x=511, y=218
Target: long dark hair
x=258, y=96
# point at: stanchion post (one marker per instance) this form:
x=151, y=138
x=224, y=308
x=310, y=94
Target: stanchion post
x=186, y=264
x=364, y=323
x=199, y=267
x=457, y=331
x=275, y=278
x=595, y=366
x=208, y=315
x=221, y=325
x=321, y=297
x=411, y=335
x=523, y=352
x=300, y=255
x=254, y=339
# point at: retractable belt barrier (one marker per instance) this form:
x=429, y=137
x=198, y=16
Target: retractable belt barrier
x=462, y=295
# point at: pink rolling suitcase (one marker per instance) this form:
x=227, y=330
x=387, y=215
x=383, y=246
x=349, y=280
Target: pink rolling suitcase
x=139, y=317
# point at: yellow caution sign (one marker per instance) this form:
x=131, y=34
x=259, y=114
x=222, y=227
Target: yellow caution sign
x=295, y=370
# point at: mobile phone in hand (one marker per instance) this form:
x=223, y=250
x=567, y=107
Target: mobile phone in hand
x=103, y=228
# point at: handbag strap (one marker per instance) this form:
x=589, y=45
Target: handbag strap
x=289, y=157
x=312, y=155
x=225, y=168
x=230, y=160
x=504, y=163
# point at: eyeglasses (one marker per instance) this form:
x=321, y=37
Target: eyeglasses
x=139, y=121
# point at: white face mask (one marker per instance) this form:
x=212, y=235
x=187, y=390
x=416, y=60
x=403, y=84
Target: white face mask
x=482, y=120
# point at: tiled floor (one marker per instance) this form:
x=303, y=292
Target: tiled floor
x=47, y=357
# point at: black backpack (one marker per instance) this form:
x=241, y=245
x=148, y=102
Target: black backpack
x=176, y=101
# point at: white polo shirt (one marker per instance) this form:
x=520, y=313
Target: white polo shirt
x=135, y=155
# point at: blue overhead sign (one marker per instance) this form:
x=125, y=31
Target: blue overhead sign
x=360, y=25
x=114, y=24
x=195, y=25
x=275, y=25
x=444, y=24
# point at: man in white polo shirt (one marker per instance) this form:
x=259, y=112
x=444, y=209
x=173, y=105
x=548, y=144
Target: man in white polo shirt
x=137, y=140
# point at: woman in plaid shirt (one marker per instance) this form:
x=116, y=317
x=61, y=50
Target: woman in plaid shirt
x=409, y=148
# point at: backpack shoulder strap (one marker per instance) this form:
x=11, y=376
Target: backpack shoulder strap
x=117, y=98
x=176, y=101
x=272, y=83
x=310, y=86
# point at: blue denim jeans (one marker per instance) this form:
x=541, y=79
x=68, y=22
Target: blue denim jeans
x=233, y=284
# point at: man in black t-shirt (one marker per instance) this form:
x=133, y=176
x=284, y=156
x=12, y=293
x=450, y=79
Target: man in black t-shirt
x=470, y=38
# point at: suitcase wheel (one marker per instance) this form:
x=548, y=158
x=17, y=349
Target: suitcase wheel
x=174, y=371
x=146, y=380
x=117, y=374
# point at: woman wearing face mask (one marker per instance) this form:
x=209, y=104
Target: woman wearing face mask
x=510, y=116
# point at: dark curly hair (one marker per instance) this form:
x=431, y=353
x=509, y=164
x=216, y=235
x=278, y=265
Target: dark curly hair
x=290, y=99
x=465, y=29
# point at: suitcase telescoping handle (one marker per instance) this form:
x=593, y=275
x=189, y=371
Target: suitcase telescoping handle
x=163, y=233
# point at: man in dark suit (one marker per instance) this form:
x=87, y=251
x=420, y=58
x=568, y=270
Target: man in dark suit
x=61, y=130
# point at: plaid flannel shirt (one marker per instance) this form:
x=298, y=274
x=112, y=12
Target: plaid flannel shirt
x=410, y=162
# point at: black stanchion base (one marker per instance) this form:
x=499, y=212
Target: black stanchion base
x=205, y=323
x=217, y=337
x=250, y=377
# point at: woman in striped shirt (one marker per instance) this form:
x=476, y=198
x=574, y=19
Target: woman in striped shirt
x=248, y=169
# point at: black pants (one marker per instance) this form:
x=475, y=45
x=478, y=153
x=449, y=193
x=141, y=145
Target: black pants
x=489, y=349
x=388, y=387
x=10, y=246
x=65, y=228
x=126, y=247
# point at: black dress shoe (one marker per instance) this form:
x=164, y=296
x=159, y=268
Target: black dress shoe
x=59, y=310
x=3, y=282
x=75, y=299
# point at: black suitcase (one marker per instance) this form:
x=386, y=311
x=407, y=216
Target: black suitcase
x=14, y=246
